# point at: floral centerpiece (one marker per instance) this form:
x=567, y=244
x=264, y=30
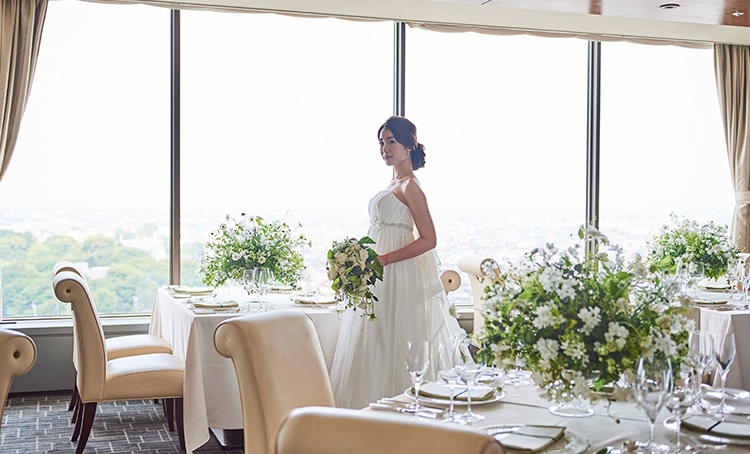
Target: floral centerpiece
x=354, y=268
x=687, y=241
x=250, y=242
x=581, y=320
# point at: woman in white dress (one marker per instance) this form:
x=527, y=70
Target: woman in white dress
x=370, y=359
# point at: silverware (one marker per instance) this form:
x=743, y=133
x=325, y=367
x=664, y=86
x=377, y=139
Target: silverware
x=420, y=413
x=398, y=403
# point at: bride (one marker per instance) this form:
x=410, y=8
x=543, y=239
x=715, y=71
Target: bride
x=370, y=359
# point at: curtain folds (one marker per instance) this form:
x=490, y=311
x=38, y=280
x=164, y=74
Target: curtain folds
x=732, y=66
x=20, y=34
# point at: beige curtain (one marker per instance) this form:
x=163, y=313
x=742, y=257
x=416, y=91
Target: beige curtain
x=20, y=33
x=732, y=65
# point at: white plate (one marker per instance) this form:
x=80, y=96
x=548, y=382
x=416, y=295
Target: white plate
x=436, y=400
x=569, y=443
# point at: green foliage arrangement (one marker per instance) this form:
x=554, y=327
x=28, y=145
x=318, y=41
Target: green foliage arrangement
x=354, y=268
x=250, y=242
x=687, y=241
x=582, y=320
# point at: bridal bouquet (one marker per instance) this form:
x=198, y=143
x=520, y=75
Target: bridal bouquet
x=250, y=242
x=687, y=241
x=582, y=320
x=354, y=268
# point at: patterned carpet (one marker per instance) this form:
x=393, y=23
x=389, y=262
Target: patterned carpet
x=41, y=424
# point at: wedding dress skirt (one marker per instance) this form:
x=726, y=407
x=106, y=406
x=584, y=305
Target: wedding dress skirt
x=370, y=359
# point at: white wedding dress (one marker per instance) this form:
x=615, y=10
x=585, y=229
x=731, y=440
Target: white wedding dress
x=370, y=359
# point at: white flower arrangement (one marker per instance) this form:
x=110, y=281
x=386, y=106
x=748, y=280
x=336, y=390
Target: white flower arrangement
x=354, y=268
x=581, y=321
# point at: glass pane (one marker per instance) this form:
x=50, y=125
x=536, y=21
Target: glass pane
x=89, y=179
x=280, y=118
x=662, y=141
x=503, y=119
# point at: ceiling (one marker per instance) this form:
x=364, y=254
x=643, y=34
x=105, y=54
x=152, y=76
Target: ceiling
x=711, y=12
x=702, y=21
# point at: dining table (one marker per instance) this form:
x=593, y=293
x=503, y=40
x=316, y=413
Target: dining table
x=722, y=312
x=615, y=427
x=211, y=392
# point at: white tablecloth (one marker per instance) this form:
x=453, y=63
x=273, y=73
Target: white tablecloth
x=737, y=322
x=523, y=405
x=211, y=393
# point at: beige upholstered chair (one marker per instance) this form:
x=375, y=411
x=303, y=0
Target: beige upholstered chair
x=451, y=280
x=100, y=379
x=319, y=430
x=117, y=347
x=17, y=355
x=473, y=266
x=280, y=366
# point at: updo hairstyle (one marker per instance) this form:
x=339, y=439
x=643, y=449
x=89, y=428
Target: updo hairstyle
x=405, y=133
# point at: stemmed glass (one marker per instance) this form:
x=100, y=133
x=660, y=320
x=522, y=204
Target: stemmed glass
x=265, y=283
x=469, y=374
x=724, y=351
x=695, y=274
x=248, y=281
x=735, y=272
x=683, y=395
x=700, y=353
x=651, y=388
x=447, y=359
x=744, y=278
x=417, y=362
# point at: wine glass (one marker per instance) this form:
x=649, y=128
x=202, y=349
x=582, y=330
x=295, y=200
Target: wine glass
x=265, y=283
x=744, y=278
x=684, y=393
x=735, y=271
x=724, y=351
x=700, y=353
x=248, y=281
x=417, y=362
x=469, y=374
x=447, y=359
x=651, y=388
x=695, y=274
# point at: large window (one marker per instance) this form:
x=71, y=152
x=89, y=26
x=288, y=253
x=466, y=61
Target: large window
x=662, y=142
x=279, y=119
x=504, y=122
x=89, y=179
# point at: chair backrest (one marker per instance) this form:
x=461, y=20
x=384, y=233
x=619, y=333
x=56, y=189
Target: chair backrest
x=58, y=268
x=451, y=280
x=17, y=355
x=473, y=265
x=92, y=354
x=280, y=366
x=318, y=430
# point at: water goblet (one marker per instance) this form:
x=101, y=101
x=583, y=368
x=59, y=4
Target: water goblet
x=447, y=359
x=651, y=388
x=684, y=393
x=695, y=274
x=248, y=281
x=735, y=271
x=470, y=376
x=265, y=283
x=700, y=353
x=417, y=362
x=724, y=352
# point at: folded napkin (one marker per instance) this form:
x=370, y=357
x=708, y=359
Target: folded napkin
x=530, y=438
x=714, y=284
x=732, y=394
x=214, y=304
x=438, y=390
x=721, y=428
x=193, y=290
x=281, y=289
x=708, y=302
x=313, y=300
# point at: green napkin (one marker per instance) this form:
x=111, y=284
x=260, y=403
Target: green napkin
x=438, y=390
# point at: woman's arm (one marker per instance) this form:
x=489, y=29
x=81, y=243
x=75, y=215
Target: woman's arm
x=417, y=203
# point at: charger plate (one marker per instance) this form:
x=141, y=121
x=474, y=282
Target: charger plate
x=570, y=443
x=438, y=401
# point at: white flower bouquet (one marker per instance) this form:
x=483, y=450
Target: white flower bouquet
x=354, y=268
x=580, y=320
x=687, y=241
x=250, y=242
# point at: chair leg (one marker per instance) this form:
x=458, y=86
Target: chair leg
x=77, y=410
x=74, y=397
x=168, y=406
x=78, y=421
x=89, y=411
x=179, y=416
